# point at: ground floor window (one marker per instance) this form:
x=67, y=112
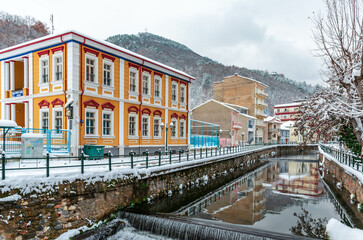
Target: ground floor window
x=90, y=123
x=106, y=124
x=173, y=129
x=156, y=127
x=58, y=120
x=182, y=129
x=45, y=120
x=132, y=125
x=145, y=126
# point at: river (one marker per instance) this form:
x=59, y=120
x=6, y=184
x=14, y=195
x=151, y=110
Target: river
x=269, y=198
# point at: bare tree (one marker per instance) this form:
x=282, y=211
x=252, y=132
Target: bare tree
x=338, y=34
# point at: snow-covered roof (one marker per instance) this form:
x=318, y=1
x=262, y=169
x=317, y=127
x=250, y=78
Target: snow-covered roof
x=225, y=105
x=94, y=41
x=287, y=125
x=234, y=105
x=7, y=123
x=234, y=75
x=272, y=120
x=289, y=104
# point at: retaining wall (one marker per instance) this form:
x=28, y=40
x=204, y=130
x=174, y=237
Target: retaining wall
x=48, y=214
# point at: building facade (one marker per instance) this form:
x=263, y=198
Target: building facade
x=288, y=111
x=237, y=127
x=245, y=92
x=118, y=98
x=272, y=130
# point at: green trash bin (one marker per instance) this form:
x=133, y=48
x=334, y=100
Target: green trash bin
x=94, y=151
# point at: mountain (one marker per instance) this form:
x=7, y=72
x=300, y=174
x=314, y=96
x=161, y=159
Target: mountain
x=16, y=29
x=207, y=71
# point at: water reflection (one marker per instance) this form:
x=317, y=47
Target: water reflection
x=268, y=197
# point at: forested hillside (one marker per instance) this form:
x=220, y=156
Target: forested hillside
x=15, y=29
x=208, y=71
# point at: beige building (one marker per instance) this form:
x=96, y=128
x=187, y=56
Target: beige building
x=236, y=125
x=245, y=92
x=288, y=111
x=273, y=130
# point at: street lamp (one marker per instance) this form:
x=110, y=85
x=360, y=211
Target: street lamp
x=165, y=128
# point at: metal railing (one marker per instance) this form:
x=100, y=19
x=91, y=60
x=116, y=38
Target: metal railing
x=344, y=157
x=43, y=166
x=54, y=140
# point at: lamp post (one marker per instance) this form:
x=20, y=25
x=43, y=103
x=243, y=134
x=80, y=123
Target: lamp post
x=165, y=128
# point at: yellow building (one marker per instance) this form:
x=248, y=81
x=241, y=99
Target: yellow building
x=119, y=98
x=247, y=92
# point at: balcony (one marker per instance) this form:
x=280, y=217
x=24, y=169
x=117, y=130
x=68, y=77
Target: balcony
x=261, y=103
x=236, y=125
x=262, y=93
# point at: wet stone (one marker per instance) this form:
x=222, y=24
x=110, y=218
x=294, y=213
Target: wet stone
x=58, y=227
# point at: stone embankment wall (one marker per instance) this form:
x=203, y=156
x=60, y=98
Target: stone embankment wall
x=343, y=185
x=48, y=214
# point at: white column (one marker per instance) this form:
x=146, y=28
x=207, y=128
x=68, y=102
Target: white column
x=6, y=76
x=26, y=113
x=12, y=75
x=30, y=69
x=13, y=112
x=7, y=113
x=26, y=72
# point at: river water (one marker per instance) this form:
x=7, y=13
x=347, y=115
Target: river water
x=267, y=198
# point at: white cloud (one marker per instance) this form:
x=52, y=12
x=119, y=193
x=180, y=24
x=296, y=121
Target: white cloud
x=264, y=34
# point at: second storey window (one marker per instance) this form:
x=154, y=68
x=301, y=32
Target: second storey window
x=174, y=91
x=58, y=118
x=157, y=92
x=145, y=84
x=132, y=81
x=90, y=123
x=44, y=71
x=107, y=81
x=58, y=69
x=182, y=94
x=90, y=70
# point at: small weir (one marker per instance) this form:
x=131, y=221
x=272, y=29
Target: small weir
x=189, y=229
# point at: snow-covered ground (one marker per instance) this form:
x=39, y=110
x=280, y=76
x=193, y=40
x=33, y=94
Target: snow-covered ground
x=339, y=231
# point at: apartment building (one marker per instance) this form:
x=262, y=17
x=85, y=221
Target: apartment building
x=118, y=98
x=245, y=92
x=236, y=125
x=289, y=111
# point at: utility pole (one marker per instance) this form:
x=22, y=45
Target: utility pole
x=52, y=23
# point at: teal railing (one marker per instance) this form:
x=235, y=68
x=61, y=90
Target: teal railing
x=54, y=140
x=344, y=157
x=145, y=160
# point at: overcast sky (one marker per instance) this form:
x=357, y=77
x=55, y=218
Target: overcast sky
x=273, y=35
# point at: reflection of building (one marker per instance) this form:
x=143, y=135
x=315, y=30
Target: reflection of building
x=246, y=92
x=299, y=178
x=246, y=203
x=236, y=125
